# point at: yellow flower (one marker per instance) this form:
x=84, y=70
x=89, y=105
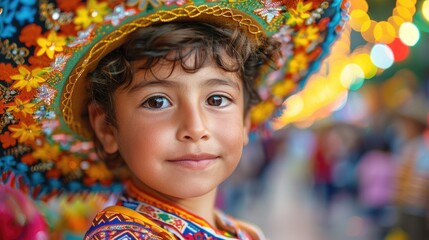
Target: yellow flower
x=305, y=36
x=283, y=88
x=47, y=152
x=298, y=63
x=262, y=112
x=51, y=44
x=25, y=132
x=298, y=15
x=22, y=106
x=99, y=172
x=26, y=79
x=93, y=13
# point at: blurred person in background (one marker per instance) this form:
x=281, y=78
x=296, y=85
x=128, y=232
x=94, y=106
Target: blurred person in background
x=412, y=179
x=335, y=160
x=19, y=217
x=376, y=171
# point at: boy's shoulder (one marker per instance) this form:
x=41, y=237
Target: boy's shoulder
x=118, y=222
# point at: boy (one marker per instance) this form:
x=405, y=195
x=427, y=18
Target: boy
x=173, y=103
x=168, y=92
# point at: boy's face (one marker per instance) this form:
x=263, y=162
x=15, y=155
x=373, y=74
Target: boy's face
x=180, y=134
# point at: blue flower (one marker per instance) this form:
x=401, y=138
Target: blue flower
x=74, y=186
x=37, y=178
x=7, y=29
x=28, y=2
x=7, y=162
x=26, y=14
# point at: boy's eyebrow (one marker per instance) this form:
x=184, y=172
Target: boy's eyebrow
x=167, y=83
x=226, y=82
x=154, y=82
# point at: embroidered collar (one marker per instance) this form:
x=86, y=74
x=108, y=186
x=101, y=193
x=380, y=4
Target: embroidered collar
x=179, y=221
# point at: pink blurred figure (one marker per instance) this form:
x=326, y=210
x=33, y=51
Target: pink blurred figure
x=19, y=217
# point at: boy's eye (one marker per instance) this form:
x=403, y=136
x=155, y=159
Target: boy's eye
x=156, y=102
x=218, y=101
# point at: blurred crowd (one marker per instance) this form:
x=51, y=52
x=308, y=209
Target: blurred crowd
x=365, y=177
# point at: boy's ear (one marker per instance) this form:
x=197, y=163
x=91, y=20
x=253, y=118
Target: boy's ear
x=104, y=131
x=247, y=124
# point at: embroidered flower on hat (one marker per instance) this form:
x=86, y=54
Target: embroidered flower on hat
x=51, y=44
x=24, y=107
x=270, y=10
x=177, y=2
x=27, y=80
x=118, y=14
x=298, y=15
x=25, y=132
x=94, y=12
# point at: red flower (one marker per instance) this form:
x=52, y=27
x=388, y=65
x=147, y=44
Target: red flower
x=323, y=23
x=69, y=29
x=24, y=118
x=7, y=140
x=315, y=54
x=3, y=106
x=53, y=173
x=28, y=159
x=69, y=5
x=41, y=61
x=29, y=34
x=7, y=70
x=24, y=95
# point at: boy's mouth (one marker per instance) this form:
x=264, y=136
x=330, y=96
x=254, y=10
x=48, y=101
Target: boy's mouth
x=195, y=161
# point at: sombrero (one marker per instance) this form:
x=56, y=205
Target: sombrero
x=47, y=47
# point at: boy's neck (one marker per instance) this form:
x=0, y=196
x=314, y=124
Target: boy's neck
x=201, y=206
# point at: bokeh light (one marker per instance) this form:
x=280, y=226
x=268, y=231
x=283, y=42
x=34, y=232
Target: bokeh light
x=382, y=56
x=425, y=10
x=409, y=34
x=363, y=60
x=352, y=76
x=400, y=50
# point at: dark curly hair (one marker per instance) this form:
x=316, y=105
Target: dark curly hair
x=180, y=40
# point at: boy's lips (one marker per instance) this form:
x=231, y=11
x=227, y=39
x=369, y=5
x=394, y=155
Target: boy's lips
x=195, y=161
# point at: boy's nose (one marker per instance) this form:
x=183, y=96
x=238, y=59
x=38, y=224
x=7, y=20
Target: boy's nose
x=192, y=125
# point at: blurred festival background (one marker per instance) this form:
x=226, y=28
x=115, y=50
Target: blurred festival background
x=357, y=168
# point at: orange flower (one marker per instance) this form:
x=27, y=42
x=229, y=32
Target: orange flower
x=7, y=70
x=24, y=133
x=29, y=34
x=47, y=152
x=68, y=164
x=7, y=140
